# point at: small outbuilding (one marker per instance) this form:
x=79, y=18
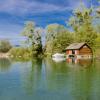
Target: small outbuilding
x=79, y=50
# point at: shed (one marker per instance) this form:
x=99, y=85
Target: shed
x=82, y=49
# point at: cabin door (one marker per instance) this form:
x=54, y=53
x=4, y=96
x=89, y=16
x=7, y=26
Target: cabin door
x=73, y=52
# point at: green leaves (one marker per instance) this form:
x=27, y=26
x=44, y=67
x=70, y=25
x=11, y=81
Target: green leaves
x=82, y=24
x=33, y=35
x=57, y=38
x=5, y=46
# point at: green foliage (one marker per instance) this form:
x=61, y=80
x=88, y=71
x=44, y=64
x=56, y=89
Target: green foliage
x=23, y=53
x=5, y=46
x=61, y=41
x=98, y=42
x=97, y=47
x=33, y=35
x=57, y=38
x=28, y=32
x=82, y=23
x=98, y=12
x=53, y=30
x=37, y=47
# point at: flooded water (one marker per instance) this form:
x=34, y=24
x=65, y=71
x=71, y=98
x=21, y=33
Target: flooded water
x=49, y=80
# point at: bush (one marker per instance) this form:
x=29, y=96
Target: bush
x=20, y=52
x=5, y=46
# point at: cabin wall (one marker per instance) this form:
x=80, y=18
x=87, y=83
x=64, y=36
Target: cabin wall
x=85, y=51
x=76, y=52
x=68, y=52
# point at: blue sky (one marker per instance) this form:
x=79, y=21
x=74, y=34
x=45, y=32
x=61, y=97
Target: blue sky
x=14, y=13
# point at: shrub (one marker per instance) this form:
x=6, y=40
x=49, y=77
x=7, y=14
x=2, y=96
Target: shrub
x=5, y=46
x=19, y=52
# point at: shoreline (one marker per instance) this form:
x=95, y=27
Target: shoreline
x=7, y=55
x=4, y=55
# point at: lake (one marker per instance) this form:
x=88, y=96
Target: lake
x=49, y=80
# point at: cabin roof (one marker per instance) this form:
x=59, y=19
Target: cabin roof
x=75, y=46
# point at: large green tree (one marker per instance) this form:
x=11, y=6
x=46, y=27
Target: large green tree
x=57, y=38
x=82, y=24
x=33, y=35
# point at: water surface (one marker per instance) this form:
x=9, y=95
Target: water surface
x=48, y=80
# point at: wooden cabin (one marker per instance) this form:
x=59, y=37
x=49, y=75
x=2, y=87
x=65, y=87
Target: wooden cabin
x=79, y=50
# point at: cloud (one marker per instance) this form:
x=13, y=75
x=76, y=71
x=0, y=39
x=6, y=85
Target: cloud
x=24, y=7
x=13, y=14
x=19, y=7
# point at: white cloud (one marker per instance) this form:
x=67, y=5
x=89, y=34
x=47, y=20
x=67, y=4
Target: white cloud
x=20, y=7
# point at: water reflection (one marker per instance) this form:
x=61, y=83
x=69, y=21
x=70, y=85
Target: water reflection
x=5, y=64
x=81, y=83
x=80, y=62
x=43, y=78
x=44, y=74
x=54, y=73
x=51, y=76
x=32, y=75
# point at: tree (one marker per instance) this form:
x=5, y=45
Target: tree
x=97, y=21
x=82, y=24
x=53, y=30
x=5, y=46
x=37, y=46
x=61, y=41
x=57, y=38
x=33, y=35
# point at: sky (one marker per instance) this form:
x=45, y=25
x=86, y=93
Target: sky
x=14, y=14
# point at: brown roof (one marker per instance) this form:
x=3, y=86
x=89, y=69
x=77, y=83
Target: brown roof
x=75, y=46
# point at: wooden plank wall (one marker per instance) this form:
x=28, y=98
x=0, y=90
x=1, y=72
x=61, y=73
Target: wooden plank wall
x=85, y=51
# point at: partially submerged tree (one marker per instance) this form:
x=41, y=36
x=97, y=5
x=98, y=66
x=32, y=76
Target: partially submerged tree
x=33, y=36
x=37, y=46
